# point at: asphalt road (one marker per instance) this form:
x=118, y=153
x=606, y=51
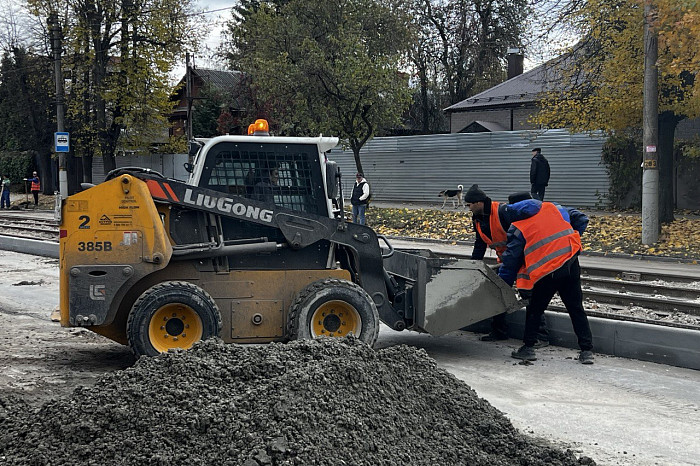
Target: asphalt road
x=617, y=411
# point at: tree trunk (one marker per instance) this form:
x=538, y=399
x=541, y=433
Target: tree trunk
x=424, y=104
x=109, y=162
x=86, y=162
x=358, y=163
x=43, y=161
x=667, y=129
x=73, y=171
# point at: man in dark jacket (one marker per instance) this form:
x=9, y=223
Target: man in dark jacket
x=539, y=174
x=544, y=241
x=359, y=199
x=485, y=214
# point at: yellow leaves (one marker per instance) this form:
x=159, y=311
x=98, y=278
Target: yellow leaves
x=616, y=234
x=622, y=234
x=421, y=223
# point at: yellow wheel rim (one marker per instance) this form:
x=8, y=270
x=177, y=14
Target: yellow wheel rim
x=335, y=319
x=174, y=325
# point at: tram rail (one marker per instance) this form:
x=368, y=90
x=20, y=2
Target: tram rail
x=661, y=293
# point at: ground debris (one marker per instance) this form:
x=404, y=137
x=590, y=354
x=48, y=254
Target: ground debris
x=321, y=402
x=29, y=283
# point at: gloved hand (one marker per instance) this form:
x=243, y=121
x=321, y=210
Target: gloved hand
x=525, y=296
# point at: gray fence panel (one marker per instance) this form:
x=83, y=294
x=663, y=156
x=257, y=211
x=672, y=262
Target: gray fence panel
x=170, y=165
x=416, y=168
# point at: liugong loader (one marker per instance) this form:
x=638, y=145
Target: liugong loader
x=250, y=249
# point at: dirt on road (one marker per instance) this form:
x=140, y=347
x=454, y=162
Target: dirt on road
x=68, y=396
x=323, y=402
x=39, y=359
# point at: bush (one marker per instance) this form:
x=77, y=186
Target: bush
x=17, y=165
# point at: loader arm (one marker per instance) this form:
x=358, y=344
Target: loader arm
x=300, y=230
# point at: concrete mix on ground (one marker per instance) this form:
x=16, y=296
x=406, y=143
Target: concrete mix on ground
x=321, y=402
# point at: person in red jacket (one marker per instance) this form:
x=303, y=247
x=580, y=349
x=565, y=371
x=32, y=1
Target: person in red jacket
x=544, y=241
x=491, y=225
x=35, y=187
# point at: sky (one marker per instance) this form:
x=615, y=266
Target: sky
x=219, y=14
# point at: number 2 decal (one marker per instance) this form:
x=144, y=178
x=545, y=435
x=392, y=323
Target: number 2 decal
x=86, y=222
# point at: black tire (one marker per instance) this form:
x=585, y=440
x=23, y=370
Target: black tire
x=333, y=307
x=171, y=315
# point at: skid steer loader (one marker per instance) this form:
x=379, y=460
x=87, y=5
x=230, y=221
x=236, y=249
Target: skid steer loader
x=250, y=249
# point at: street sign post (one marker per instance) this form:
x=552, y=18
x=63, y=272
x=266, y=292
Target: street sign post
x=62, y=142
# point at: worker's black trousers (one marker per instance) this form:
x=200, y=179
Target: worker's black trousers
x=499, y=326
x=566, y=281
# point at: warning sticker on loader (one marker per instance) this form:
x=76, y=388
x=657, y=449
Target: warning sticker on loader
x=129, y=238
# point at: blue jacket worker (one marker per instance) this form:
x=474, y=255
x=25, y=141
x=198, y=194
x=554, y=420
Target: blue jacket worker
x=4, y=192
x=541, y=257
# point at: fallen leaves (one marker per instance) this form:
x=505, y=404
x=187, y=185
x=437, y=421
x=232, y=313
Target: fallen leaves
x=421, y=223
x=623, y=234
x=607, y=234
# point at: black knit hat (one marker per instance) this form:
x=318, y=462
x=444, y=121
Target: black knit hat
x=519, y=196
x=537, y=149
x=474, y=194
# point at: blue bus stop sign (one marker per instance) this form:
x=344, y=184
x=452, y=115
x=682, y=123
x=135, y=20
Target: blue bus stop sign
x=62, y=142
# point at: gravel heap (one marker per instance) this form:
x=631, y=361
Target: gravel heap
x=321, y=402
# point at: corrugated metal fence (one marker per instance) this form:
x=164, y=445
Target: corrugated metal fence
x=416, y=168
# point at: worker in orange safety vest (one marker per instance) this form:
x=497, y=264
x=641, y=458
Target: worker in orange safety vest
x=35, y=187
x=490, y=223
x=544, y=241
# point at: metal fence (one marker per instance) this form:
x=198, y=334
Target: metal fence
x=170, y=165
x=416, y=168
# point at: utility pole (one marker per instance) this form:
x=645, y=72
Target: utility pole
x=650, y=177
x=55, y=29
x=188, y=96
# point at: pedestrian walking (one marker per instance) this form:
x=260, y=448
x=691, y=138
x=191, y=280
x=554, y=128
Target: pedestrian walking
x=35, y=187
x=539, y=174
x=544, y=241
x=5, y=192
x=490, y=223
x=359, y=199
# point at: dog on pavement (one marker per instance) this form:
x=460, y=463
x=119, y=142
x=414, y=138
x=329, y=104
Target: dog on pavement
x=452, y=194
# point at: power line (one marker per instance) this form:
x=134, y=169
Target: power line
x=210, y=11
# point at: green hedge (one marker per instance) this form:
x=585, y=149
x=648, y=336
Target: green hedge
x=17, y=165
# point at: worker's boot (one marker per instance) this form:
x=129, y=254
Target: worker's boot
x=585, y=357
x=526, y=353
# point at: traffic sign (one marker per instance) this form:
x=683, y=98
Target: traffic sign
x=62, y=142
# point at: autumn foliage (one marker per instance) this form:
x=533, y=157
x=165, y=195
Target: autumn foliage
x=616, y=233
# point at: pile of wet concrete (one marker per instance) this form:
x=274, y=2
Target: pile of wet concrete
x=322, y=402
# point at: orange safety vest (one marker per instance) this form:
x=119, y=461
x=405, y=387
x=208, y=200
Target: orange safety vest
x=499, y=238
x=550, y=241
x=36, y=185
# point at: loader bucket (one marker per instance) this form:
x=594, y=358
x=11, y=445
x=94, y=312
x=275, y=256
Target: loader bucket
x=448, y=293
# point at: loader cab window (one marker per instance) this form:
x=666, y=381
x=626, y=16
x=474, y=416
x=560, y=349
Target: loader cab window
x=287, y=175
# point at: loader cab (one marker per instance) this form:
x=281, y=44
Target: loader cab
x=288, y=172
x=281, y=171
